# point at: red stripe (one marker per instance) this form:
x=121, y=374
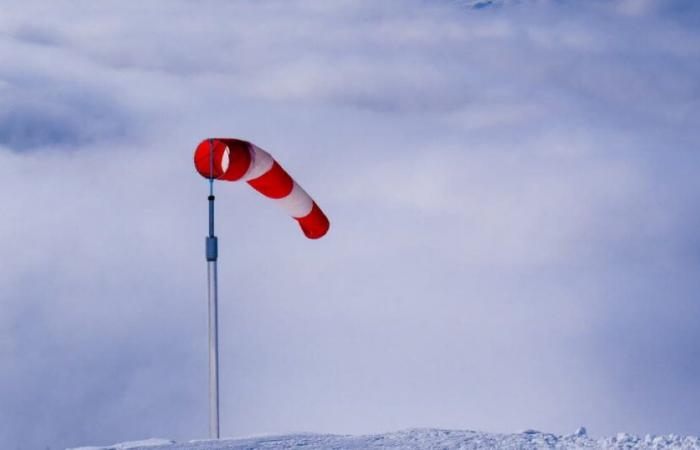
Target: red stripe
x=238, y=159
x=275, y=183
x=201, y=159
x=315, y=224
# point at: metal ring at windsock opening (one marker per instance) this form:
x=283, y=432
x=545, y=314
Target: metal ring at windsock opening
x=234, y=159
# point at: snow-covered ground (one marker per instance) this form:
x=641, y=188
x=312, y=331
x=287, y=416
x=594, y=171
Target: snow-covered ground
x=423, y=439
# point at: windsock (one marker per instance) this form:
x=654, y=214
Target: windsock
x=234, y=159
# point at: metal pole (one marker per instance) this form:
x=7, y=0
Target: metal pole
x=212, y=254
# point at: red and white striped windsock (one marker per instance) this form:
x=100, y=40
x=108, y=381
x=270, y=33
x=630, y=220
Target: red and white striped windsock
x=234, y=160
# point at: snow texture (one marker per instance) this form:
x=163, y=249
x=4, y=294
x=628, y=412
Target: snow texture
x=425, y=439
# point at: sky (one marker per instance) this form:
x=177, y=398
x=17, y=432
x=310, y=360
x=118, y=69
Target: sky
x=513, y=196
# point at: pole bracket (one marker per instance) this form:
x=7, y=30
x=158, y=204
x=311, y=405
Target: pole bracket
x=212, y=248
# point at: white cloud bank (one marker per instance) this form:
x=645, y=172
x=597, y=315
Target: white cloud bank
x=513, y=200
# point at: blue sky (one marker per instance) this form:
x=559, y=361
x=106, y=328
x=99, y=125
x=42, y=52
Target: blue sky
x=512, y=191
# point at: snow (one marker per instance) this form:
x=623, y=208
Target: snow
x=425, y=439
x=148, y=443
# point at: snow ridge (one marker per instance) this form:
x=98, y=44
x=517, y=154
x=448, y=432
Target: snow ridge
x=426, y=439
x=481, y=4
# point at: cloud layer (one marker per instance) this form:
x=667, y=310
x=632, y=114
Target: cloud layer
x=513, y=200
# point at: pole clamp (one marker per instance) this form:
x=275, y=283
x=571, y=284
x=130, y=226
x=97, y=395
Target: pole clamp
x=212, y=248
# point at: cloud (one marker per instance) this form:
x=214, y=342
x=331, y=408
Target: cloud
x=47, y=104
x=512, y=196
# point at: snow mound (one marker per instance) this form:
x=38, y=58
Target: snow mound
x=425, y=439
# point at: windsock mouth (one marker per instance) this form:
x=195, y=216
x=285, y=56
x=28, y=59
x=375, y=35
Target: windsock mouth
x=222, y=158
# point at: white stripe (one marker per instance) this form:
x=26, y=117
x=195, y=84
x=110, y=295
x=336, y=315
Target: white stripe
x=260, y=163
x=298, y=203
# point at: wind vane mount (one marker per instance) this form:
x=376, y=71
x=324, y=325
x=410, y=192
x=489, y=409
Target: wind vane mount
x=229, y=159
